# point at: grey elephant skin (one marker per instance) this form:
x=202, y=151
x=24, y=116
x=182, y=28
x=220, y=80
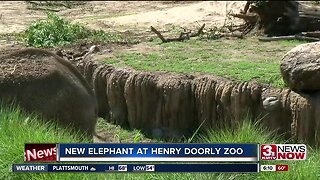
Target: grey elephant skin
x=40, y=81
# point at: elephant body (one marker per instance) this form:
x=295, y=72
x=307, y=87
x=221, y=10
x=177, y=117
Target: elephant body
x=42, y=82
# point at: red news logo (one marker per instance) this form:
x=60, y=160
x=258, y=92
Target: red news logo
x=283, y=152
x=268, y=152
x=40, y=152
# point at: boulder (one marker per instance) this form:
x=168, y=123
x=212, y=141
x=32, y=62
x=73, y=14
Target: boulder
x=42, y=82
x=300, y=68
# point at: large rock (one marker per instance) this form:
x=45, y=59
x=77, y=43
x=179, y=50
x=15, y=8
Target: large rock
x=40, y=81
x=300, y=67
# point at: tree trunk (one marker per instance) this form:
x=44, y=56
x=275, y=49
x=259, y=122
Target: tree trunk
x=279, y=18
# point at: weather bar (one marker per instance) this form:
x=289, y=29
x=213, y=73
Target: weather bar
x=244, y=168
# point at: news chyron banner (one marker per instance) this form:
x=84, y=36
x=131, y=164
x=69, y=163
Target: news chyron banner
x=213, y=157
x=242, y=158
x=141, y=152
x=157, y=152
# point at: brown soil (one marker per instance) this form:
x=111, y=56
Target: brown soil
x=15, y=16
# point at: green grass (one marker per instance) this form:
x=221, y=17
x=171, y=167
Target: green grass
x=241, y=59
x=56, y=31
x=17, y=128
x=247, y=132
x=117, y=134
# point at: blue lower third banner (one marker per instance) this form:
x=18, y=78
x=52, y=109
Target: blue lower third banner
x=157, y=152
x=245, y=168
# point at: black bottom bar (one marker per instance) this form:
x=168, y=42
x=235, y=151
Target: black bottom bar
x=243, y=168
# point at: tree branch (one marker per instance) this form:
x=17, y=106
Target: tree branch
x=183, y=35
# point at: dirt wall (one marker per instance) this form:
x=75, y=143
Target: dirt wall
x=169, y=104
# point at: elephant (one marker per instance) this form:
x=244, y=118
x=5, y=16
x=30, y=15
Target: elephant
x=41, y=82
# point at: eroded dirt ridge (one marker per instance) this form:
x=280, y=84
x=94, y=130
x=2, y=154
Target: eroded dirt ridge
x=169, y=104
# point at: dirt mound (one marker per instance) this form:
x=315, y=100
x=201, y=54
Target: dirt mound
x=40, y=81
